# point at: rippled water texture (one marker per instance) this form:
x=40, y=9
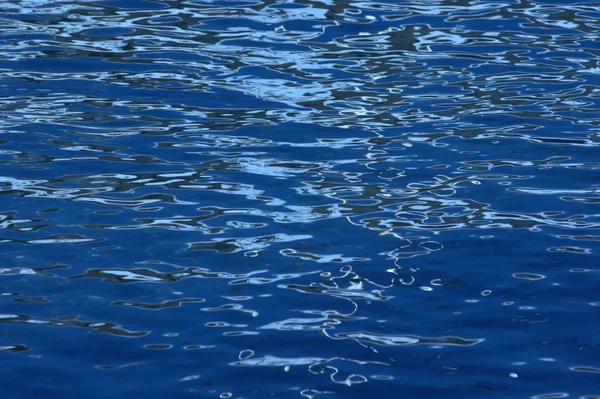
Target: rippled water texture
x=294, y=198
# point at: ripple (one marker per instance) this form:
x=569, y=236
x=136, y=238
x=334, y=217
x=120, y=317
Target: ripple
x=553, y=395
x=158, y=306
x=113, y=367
x=395, y=340
x=529, y=276
x=585, y=369
x=158, y=346
x=68, y=321
x=274, y=361
x=14, y=348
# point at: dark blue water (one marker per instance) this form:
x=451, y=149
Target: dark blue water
x=299, y=199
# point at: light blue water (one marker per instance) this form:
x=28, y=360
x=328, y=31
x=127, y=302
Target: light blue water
x=288, y=199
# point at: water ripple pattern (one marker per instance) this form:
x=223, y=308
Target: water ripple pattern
x=299, y=199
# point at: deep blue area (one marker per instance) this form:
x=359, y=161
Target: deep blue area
x=248, y=199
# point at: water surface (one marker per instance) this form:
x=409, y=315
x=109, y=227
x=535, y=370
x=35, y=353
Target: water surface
x=337, y=199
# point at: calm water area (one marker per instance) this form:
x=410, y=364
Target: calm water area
x=299, y=199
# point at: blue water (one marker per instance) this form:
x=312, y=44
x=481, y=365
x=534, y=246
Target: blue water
x=299, y=199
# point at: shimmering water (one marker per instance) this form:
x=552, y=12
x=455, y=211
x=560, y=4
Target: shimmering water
x=294, y=198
